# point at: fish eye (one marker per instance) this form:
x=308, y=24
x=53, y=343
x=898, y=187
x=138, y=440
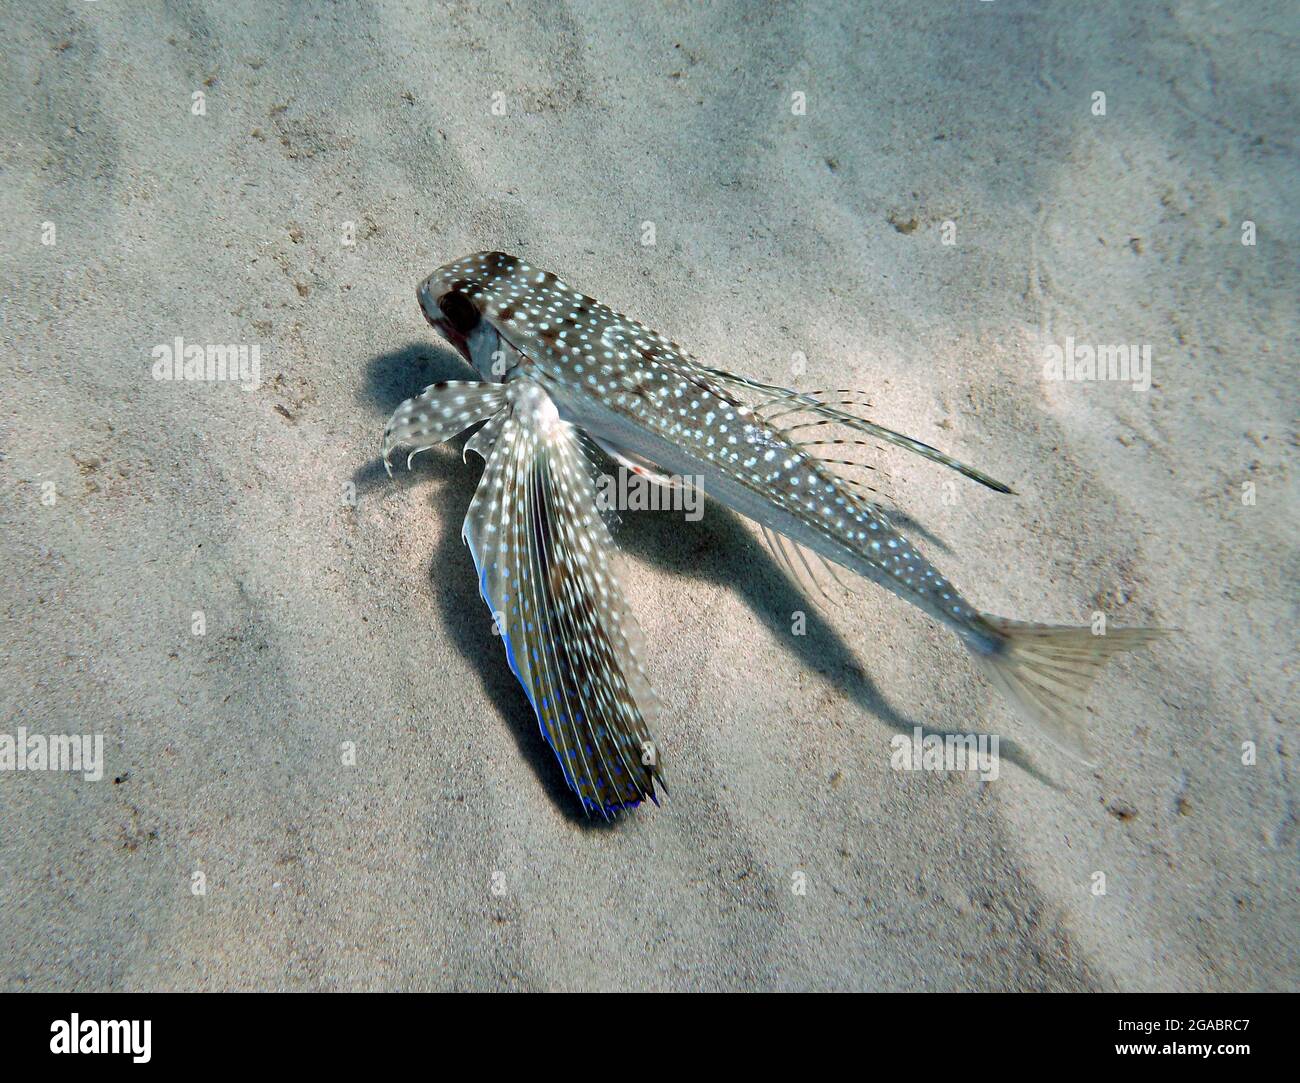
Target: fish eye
x=459, y=311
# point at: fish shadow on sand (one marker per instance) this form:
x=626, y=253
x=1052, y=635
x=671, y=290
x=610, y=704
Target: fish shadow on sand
x=718, y=549
x=721, y=550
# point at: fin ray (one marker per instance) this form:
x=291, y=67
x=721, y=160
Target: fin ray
x=547, y=568
x=1045, y=671
x=438, y=413
x=795, y=402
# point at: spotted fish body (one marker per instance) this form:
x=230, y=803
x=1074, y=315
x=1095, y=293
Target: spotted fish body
x=559, y=365
x=618, y=379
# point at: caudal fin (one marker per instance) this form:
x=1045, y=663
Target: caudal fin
x=1046, y=670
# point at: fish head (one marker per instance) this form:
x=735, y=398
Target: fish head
x=452, y=306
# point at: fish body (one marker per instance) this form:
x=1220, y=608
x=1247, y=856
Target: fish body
x=581, y=370
x=628, y=385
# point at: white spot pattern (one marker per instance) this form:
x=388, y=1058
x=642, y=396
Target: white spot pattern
x=584, y=347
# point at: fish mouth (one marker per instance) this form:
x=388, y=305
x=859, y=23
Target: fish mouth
x=448, y=332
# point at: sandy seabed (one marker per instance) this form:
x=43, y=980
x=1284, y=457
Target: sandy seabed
x=340, y=609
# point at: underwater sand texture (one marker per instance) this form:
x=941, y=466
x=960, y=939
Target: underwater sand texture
x=780, y=239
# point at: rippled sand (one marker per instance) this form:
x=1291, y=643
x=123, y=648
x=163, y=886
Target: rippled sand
x=339, y=607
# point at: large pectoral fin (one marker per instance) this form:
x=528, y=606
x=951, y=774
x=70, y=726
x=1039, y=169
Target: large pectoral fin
x=546, y=568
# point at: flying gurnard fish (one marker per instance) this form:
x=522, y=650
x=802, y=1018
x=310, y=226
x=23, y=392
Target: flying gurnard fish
x=564, y=375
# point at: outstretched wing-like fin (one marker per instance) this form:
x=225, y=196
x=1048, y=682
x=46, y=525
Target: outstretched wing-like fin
x=546, y=566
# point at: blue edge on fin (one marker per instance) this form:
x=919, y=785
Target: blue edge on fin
x=587, y=802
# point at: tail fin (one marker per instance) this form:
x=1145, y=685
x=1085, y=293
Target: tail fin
x=1046, y=670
